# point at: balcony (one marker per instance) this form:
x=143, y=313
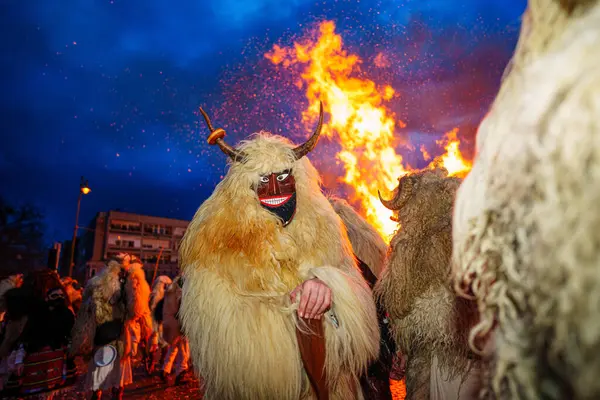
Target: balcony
x=125, y=228
x=153, y=259
x=158, y=231
x=124, y=245
x=150, y=248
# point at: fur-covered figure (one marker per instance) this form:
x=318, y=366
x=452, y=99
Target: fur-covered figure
x=158, y=290
x=178, y=351
x=114, y=317
x=172, y=304
x=526, y=237
x=367, y=243
x=370, y=251
x=35, y=337
x=263, y=245
x=157, y=341
x=429, y=321
x=156, y=308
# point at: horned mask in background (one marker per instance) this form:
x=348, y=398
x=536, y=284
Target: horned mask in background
x=276, y=191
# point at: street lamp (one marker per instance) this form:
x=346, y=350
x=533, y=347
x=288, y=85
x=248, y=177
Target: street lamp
x=83, y=189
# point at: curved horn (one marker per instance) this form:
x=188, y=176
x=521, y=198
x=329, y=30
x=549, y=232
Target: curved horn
x=402, y=195
x=216, y=137
x=310, y=144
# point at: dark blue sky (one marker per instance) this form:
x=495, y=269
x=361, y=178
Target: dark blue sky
x=110, y=89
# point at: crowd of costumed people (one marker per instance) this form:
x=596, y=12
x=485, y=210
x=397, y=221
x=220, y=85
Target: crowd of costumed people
x=488, y=288
x=56, y=336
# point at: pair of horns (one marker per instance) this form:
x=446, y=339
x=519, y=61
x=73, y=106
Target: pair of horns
x=216, y=137
x=405, y=187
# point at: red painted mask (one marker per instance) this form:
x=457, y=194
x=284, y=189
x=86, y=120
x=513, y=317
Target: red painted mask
x=277, y=193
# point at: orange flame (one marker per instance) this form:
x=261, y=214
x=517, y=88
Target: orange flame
x=452, y=160
x=364, y=126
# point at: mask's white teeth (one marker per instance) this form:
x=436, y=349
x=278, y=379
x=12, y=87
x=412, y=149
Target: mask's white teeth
x=274, y=201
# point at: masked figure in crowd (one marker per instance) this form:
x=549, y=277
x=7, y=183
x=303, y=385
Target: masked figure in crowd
x=430, y=322
x=114, y=317
x=178, y=351
x=34, y=345
x=158, y=345
x=264, y=245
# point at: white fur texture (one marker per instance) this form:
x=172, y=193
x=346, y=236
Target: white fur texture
x=526, y=237
x=239, y=269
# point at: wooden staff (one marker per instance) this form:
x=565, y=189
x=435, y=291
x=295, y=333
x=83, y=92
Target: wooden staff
x=156, y=267
x=312, y=351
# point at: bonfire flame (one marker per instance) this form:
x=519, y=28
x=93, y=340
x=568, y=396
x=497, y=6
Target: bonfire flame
x=452, y=160
x=364, y=126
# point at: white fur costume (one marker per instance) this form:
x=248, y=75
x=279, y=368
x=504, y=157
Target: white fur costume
x=239, y=269
x=526, y=237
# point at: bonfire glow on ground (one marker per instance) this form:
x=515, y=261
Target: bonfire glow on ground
x=358, y=120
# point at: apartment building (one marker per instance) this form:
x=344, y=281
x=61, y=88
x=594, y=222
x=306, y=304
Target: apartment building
x=155, y=240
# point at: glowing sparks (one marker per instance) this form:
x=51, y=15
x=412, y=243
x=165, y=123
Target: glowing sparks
x=364, y=127
x=359, y=120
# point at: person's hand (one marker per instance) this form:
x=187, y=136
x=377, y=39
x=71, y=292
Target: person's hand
x=315, y=298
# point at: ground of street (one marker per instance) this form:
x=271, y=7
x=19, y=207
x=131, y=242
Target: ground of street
x=153, y=388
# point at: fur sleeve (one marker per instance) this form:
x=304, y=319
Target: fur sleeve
x=355, y=342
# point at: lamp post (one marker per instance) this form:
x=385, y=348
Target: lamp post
x=83, y=189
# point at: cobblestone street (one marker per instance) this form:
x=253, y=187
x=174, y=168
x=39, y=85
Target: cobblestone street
x=143, y=387
x=153, y=388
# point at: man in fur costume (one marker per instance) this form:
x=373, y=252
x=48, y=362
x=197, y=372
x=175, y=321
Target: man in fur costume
x=178, y=352
x=37, y=333
x=526, y=236
x=114, y=317
x=265, y=244
x=370, y=250
x=157, y=342
x=430, y=323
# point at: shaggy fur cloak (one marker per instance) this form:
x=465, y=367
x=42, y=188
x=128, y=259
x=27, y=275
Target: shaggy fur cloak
x=104, y=301
x=428, y=320
x=158, y=291
x=526, y=236
x=172, y=303
x=240, y=265
x=157, y=304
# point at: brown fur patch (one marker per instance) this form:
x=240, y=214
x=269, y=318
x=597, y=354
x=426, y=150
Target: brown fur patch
x=415, y=288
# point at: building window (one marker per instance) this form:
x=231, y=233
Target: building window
x=158, y=229
x=130, y=244
x=125, y=226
